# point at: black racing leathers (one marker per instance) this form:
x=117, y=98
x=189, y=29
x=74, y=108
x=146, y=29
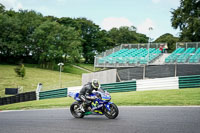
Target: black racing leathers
x=85, y=92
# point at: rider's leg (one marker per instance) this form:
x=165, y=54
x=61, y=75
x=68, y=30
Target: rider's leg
x=88, y=104
x=83, y=105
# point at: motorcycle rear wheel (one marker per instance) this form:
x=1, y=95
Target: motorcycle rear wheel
x=113, y=113
x=75, y=110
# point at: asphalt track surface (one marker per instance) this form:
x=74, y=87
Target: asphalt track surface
x=130, y=120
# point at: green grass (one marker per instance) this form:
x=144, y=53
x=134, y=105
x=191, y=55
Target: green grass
x=70, y=69
x=49, y=78
x=89, y=67
x=181, y=97
x=40, y=104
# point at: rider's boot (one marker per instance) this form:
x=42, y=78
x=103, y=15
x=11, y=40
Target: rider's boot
x=82, y=107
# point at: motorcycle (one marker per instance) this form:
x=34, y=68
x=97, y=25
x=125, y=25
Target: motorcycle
x=101, y=105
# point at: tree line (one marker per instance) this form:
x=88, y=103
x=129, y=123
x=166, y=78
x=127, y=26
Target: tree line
x=46, y=40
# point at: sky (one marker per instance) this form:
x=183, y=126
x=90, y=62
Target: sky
x=109, y=13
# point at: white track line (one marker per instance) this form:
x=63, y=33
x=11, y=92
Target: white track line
x=160, y=106
x=1, y=111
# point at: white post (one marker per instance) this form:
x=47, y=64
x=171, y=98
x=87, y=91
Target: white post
x=38, y=89
x=186, y=46
x=144, y=72
x=196, y=45
x=60, y=64
x=95, y=61
x=60, y=78
x=121, y=46
x=175, y=69
x=148, y=52
x=95, y=58
x=150, y=28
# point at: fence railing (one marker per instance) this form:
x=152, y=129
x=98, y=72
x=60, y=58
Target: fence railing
x=189, y=81
x=120, y=86
x=22, y=97
x=53, y=93
x=186, y=45
x=192, y=81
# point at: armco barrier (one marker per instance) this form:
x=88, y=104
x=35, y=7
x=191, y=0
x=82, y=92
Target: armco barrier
x=53, y=93
x=139, y=85
x=120, y=86
x=192, y=81
x=158, y=84
x=22, y=97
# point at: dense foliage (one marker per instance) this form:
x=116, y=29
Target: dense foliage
x=28, y=36
x=187, y=18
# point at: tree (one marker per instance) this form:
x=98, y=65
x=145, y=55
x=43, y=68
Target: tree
x=2, y=8
x=186, y=18
x=28, y=21
x=8, y=34
x=70, y=22
x=126, y=35
x=30, y=36
x=53, y=42
x=20, y=70
x=89, y=32
x=141, y=38
x=169, y=39
x=104, y=41
x=16, y=33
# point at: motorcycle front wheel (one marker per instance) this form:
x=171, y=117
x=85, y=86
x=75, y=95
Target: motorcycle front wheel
x=75, y=110
x=113, y=113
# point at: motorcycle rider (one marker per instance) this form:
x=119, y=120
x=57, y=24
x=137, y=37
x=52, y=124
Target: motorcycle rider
x=85, y=92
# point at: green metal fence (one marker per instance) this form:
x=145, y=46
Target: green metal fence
x=192, y=81
x=120, y=86
x=53, y=93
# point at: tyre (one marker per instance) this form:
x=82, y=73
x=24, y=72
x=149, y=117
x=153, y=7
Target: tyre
x=113, y=113
x=75, y=110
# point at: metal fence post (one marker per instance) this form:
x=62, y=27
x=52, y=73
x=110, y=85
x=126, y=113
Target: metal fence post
x=186, y=45
x=144, y=72
x=175, y=71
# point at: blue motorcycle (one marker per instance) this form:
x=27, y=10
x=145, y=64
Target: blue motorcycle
x=101, y=105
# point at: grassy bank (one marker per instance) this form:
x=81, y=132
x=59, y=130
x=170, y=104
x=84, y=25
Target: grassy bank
x=182, y=97
x=68, y=68
x=89, y=67
x=49, y=78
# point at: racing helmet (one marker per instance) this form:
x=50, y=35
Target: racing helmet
x=95, y=84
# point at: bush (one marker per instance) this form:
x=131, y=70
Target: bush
x=20, y=70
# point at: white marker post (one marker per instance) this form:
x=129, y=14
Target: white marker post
x=60, y=64
x=39, y=87
x=150, y=28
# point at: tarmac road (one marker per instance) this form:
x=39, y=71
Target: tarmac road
x=130, y=120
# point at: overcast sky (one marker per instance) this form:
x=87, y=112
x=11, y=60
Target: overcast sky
x=108, y=13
